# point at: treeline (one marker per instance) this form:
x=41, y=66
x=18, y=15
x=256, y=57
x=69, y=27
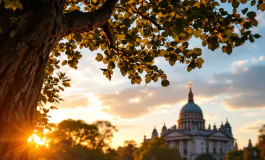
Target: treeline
x=250, y=153
x=77, y=140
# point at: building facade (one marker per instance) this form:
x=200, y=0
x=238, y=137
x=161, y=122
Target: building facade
x=190, y=136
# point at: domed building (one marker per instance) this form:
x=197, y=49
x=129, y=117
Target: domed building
x=190, y=136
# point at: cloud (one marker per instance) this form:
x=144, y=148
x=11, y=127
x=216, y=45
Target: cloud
x=90, y=111
x=243, y=90
x=133, y=102
x=252, y=114
x=247, y=89
x=254, y=59
x=240, y=63
x=253, y=126
x=211, y=117
x=260, y=18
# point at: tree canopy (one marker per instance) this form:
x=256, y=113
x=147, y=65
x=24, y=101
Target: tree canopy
x=126, y=152
x=261, y=142
x=156, y=149
x=234, y=155
x=205, y=156
x=76, y=139
x=77, y=132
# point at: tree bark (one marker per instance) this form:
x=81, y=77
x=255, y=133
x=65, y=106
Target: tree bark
x=24, y=52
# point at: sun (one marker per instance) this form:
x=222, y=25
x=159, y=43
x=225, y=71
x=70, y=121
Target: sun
x=35, y=139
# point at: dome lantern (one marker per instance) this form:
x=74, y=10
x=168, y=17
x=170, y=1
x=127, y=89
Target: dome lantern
x=190, y=107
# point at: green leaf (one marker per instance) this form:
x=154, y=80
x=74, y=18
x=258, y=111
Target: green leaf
x=189, y=68
x=261, y=6
x=244, y=10
x=200, y=60
x=228, y=49
x=235, y=4
x=66, y=84
x=253, y=2
x=254, y=22
x=165, y=83
x=99, y=57
x=243, y=1
x=251, y=15
x=197, y=33
x=64, y=62
x=257, y=36
x=78, y=37
x=224, y=49
x=148, y=78
x=251, y=39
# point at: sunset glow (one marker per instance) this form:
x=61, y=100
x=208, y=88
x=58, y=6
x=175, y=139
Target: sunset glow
x=35, y=139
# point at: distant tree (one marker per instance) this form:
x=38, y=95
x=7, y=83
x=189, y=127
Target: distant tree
x=75, y=132
x=105, y=134
x=96, y=136
x=234, y=155
x=252, y=153
x=126, y=152
x=131, y=33
x=112, y=154
x=157, y=149
x=205, y=156
x=75, y=139
x=261, y=142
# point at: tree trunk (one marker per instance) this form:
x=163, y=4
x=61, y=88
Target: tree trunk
x=23, y=58
x=24, y=51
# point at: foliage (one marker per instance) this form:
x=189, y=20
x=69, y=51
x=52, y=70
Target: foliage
x=252, y=153
x=156, y=149
x=106, y=130
x=261, y=143
x=76, y=132
x=234, y=155
x=140, y=31
x=76, y=152
x=75, y=139
x=126, y=152
x=245, y=154
x=205, y=156
x=53, y=85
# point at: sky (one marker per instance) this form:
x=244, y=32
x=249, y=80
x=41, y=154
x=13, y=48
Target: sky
x=226, y=87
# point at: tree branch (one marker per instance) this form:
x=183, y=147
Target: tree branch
x=78, y=21
x=108, y=34
x=145, y=17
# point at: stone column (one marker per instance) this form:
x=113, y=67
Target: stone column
x=182, y=147
x=210, y=147
x=179, y=146
x=189, y=147
x=226, y=147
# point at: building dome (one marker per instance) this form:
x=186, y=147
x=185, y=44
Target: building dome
x=154, y=133
x=227, y=124
x=190, y=107
x=164, y=128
